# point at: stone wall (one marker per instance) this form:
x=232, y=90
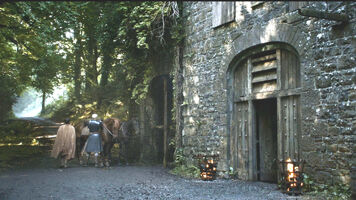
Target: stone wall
x=327, y=59
x=149, y=137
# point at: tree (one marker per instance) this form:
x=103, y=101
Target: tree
x=115, y=45
x=30, y=53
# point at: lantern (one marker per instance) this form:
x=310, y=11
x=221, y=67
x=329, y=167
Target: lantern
x=291, y=176
x=208, y=167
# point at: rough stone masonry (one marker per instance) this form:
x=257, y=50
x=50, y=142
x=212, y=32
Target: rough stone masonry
x=326, y=52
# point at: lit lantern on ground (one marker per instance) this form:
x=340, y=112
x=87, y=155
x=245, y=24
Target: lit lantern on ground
x=291, y=176
x=208, y=167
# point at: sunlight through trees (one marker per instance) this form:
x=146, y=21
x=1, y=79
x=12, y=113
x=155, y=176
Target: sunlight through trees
x=103, y=52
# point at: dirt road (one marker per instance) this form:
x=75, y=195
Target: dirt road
x=129, y=182
x=29, y=173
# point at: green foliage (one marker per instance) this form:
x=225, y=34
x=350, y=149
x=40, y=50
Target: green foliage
x=143, y=41
x=179, y=157
x=107, y=51
x=182, y=169
x=190, y=171
x=172, y=142
x=15, y=128
x=29, y=52
x=335, y=192
x=233, y=174
x=51, y=109
x=308, y=182
x=8, y=91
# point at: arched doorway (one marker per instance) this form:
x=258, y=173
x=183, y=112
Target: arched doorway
x=161, y=92
x=264, y=88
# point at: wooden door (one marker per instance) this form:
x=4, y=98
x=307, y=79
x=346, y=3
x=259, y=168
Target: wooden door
x=241, y=88
x=289, y=127
x=271, y=72
x=240, y=140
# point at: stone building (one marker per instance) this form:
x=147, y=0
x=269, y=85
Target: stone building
x=256, y=82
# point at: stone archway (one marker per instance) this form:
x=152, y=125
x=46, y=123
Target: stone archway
x=264, y=89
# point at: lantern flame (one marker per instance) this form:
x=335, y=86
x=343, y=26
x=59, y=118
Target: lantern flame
x=208, y=169
x=289, y=165
x=291, y=175
x=293, y=178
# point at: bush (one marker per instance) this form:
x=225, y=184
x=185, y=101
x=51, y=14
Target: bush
x=15, y=128
x=182, y=169
x=336, y=191
x=186, y=171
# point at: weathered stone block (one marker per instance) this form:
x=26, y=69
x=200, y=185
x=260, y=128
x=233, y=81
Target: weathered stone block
x=343, y=179
x=323, y=177
x=349, y=114
x=333, y=130
x=346, y=62
x=332, y=148
x=341, y=162
x=323, y=82
x=313, y=159
x=344, y=148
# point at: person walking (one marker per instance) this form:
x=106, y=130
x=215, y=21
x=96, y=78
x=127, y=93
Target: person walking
x=93, y=144
x=65, y=143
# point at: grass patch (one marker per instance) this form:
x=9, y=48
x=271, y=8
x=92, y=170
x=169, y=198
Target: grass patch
x=332, y=192
x=182, y=169
x=186, y=171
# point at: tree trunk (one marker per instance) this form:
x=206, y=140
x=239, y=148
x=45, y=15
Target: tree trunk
x=43, y=102
x=104, y=76
x=77, y=64
x=95, y=59
x=107, y=61
x=89, y=71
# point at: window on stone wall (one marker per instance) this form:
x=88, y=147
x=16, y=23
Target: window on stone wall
x=223, y=12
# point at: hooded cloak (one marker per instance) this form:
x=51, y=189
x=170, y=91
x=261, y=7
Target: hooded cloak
x=65, y=142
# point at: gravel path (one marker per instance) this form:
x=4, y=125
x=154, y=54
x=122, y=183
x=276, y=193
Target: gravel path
x=129, y=182
x=42, y=180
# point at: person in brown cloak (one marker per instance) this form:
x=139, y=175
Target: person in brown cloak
x=64, y=145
